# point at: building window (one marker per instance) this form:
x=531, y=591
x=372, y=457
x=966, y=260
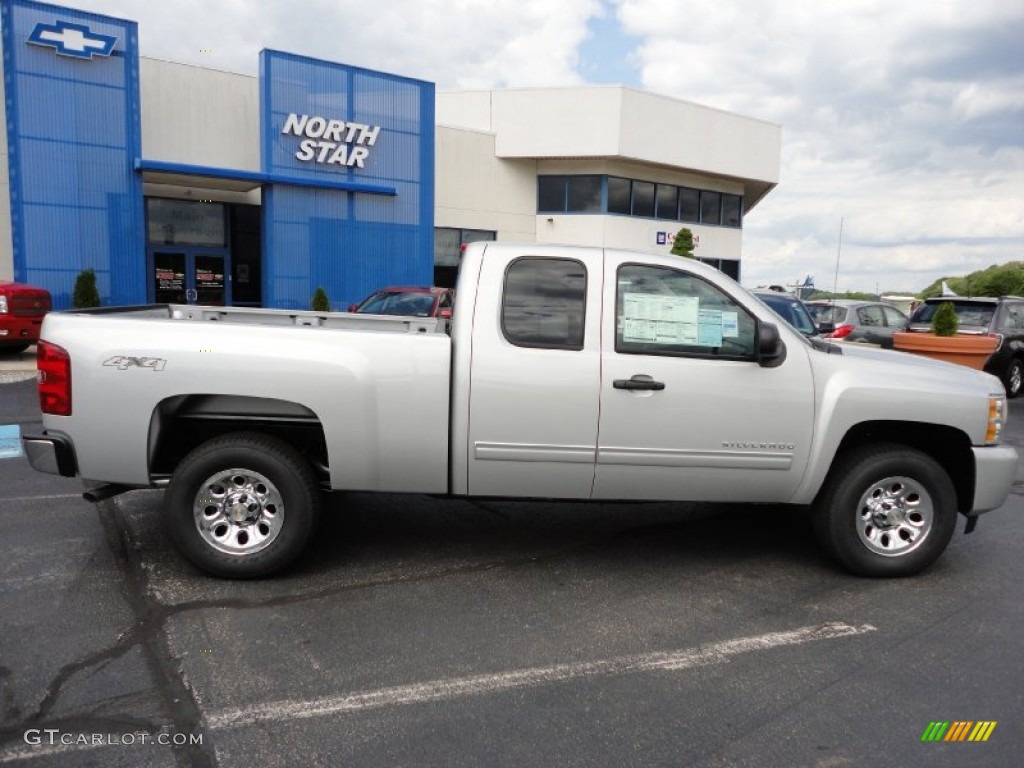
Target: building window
x=544, y=302
x=448, y=243
x=667, y=203
x=583, y=194
x=633, y=197
x=619, y=195
x=643, y=199
x=689, y=204
x=732, y=210
x=550, y=194
x=710, y=207
x=185, y=222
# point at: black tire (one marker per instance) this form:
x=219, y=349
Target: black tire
x=1013, y=379
x=13, y=349
x=860, y=536
x=242, y=474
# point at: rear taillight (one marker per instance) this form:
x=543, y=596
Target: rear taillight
x=54, y=365
x=840, y=331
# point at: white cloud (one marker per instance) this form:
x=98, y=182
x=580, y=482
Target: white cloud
x=903, y=118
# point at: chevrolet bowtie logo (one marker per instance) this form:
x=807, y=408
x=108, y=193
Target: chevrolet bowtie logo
x=72, y=40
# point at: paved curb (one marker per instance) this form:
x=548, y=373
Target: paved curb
x=20, y=367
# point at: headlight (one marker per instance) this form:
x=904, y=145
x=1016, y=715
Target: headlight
x=3, y=305
x=996, y=418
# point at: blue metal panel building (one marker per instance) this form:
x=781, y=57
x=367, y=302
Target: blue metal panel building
x=347, y=175
x=72, y=108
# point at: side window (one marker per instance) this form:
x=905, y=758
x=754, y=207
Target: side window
x=660, y=311
x=894, y=318
x=543, y=303
x=870, y=315
x=1012, y=316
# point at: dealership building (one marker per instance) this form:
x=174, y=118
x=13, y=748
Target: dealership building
x=187, y=184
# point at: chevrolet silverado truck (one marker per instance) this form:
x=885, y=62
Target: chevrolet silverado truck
x=566, y=373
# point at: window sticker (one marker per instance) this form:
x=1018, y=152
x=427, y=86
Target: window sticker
x=709, y=328
x=730, y=325
x=660, y=319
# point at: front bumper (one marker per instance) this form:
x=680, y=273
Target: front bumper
x=19, y=330
x=51, y=453
x=995, y=467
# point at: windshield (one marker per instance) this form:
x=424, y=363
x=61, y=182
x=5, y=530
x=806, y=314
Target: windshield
x=790, y=310
x=410, y=304
x=967, y=313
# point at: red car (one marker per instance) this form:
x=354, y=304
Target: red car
x=22, y=308
x=423, y=301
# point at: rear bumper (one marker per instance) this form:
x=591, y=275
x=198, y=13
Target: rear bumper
x=51, y=453
x=995, y=467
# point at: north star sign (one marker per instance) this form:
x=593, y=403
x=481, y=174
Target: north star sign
x=72, y=40
x=331, y=142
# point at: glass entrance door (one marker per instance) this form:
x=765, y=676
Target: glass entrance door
x=189, y=276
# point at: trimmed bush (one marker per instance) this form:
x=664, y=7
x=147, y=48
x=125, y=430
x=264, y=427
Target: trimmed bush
x=946, y=320
x=85, y=295
x=320, y=301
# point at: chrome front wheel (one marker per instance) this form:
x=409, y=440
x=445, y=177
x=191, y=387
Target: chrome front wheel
x=895, y=516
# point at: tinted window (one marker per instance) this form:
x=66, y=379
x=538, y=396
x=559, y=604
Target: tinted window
x=731, y=210
x=618, y=195
x=969, y=313
x=790, y=310
x=894, y=318
x=689, y=204
x=584, y=193
x=870, y=315
x=662, y=311
x=643, y=198
x=551, y=194
x=544, y=302
x=827, y=313
x=1012, y=316
x=667, y=206
x=710, y=207
x=410, y=304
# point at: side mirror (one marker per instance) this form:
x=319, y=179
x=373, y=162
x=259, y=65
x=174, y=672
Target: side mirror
x=353, y=307
x=445, y=314
x=771, y=352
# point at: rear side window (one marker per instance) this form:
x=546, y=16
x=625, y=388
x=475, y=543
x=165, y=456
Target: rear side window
x=871, y=316
x=827, y=313
x=543, y=303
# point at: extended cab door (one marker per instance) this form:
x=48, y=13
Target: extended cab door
x=535, y=373
x=686, y=410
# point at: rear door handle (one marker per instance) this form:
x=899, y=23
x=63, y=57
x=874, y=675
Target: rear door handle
x=639, y=381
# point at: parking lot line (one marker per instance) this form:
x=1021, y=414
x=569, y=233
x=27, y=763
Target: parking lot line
x=437, y=690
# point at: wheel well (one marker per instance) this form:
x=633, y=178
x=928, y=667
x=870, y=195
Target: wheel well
x=950, y=447
x=184, y=422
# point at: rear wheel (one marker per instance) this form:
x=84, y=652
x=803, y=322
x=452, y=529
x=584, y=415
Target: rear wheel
x=242, y=505
x=1013, y=380
x=886, y=510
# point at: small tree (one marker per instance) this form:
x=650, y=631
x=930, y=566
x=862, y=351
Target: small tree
x=320, y=301
x=682, y=244
x=945, y=322
x=85, y=295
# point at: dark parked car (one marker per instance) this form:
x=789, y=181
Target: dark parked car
x=1002, y=317
x=868, y=321
x=22, y=308
x=791, y=309
x=423, y=301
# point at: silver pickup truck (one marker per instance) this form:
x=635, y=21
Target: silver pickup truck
x=567, y=373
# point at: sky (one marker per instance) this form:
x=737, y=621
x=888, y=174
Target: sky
x=902, y=122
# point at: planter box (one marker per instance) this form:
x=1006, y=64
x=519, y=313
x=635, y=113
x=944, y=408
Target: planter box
x=972, y=351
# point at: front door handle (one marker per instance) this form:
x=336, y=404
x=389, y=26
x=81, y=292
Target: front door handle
x=639, y=381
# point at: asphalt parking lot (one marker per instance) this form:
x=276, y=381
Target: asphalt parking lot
x=425, y=632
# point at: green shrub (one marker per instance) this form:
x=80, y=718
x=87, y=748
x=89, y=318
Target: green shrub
x=85, y=295
x=320, y=301
x=682, y=244
x=946, y=320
